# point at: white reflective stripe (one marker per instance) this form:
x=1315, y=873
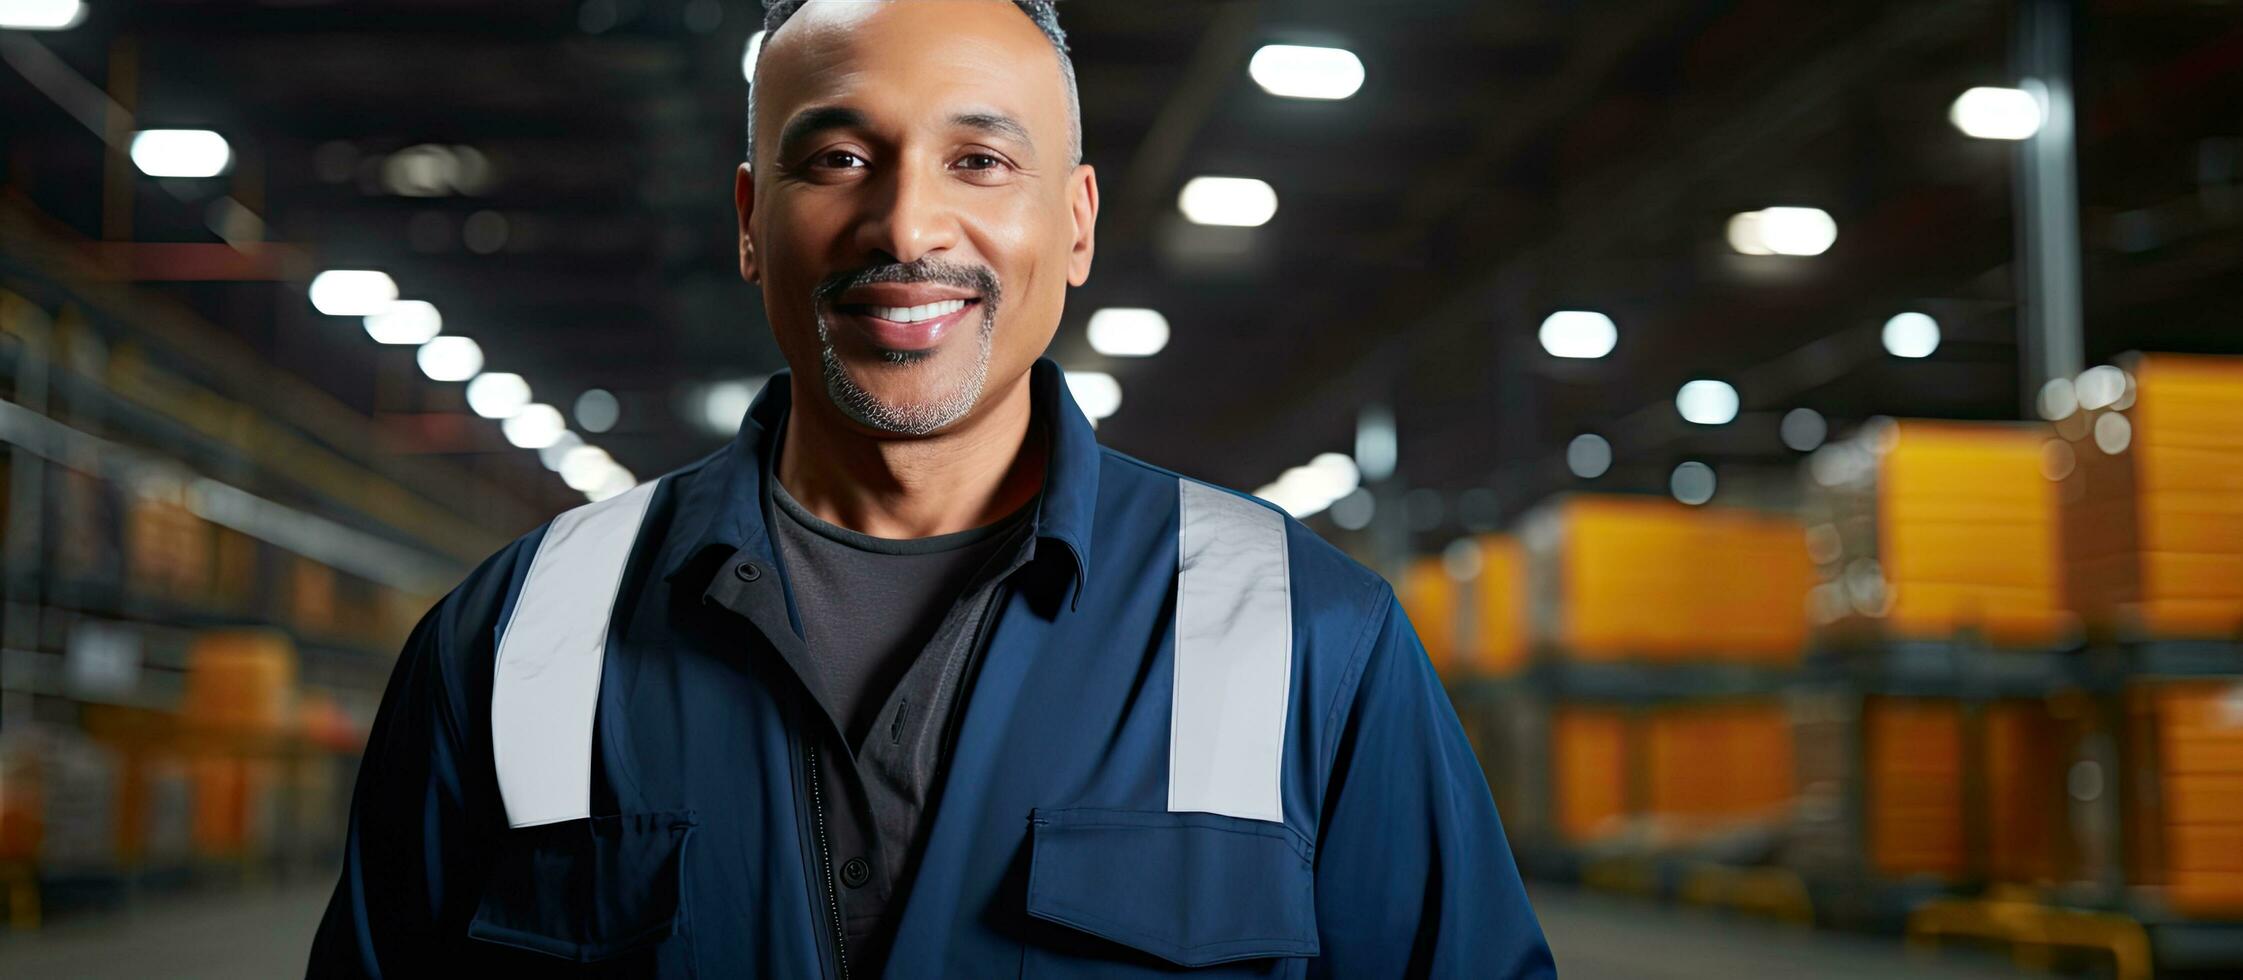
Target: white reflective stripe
x=1234, y=657
x=547, y=686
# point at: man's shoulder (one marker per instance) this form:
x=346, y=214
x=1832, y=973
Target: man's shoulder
x=1322, y=577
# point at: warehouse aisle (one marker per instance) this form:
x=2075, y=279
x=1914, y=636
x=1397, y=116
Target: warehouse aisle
x=1596, y=937
x=1607, y=937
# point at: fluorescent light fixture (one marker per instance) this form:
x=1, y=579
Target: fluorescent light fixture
x=551, y=453
x=618, y=480
x=1588, y=456
x=536, y=426
x=1125, y=331
x=497, y=394
x=1911, y=335
x=180, y=153
x=748, y=57
x=1583, y=334
x=1377, y=448
x=1707, y=402
x=1803, y=429
x=1692, y=483
x=407, y=321
x=352, y=292
x=597, y=410
x=1096, y=393
x=724, y=403
x=41, y=15
x=1991, y=113
x=1239, y=202
x=1301, y=72
x=2100, y=387
x=1338, y=472
x=1782, y=231
x=450, y=359
x=585, y=467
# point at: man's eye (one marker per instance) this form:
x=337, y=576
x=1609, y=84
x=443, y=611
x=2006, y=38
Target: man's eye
x=980, y=161
x=840, y=159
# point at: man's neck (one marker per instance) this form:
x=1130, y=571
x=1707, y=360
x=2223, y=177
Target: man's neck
x=970, y=475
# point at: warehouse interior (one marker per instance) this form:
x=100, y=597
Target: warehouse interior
x=1807, y=437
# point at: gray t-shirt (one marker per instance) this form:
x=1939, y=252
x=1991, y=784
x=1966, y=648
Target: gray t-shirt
x=889, y=630
x=868, y=605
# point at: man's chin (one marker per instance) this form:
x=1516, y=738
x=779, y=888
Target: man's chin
x=904, y=392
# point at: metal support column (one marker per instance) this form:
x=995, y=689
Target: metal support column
x=2048, y=203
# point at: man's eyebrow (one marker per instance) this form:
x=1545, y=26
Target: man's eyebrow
x=995, y=123
x=817, y=119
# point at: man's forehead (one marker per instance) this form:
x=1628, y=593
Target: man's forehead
x=978, y=54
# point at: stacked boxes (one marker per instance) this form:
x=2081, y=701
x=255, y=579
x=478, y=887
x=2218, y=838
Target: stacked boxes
x=1429, y=597
x=2187, y=804
x=1941, y=530
x=2154, y=515
x=1718, y=763
x=1641, y=578
x=1498, y=622
x=1589, y=769
x=1914, y=776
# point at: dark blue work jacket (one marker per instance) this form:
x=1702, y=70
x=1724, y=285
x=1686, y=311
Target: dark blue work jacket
x=1062, y=845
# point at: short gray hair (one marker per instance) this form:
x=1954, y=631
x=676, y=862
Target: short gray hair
x=1045, y=14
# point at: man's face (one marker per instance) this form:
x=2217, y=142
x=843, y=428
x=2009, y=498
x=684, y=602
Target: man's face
x=912, y=211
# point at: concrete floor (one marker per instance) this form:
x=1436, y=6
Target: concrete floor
x=1606, y=937
x=264, y=933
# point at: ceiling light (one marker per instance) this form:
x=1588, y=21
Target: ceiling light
x=407, y=321
x=724, y=403
x=536, y=426
x=1803, y=429
x=352, y=292
x=1588, y=456
x=551, y=453
x=1301, y=72
x=1581, y=334
x=1707, y=402
x=1911, y=335
x=1095, y=392
x=1783, y=231
x=585, y=467
x=1990, y=113
x=450, y=359
x=597, y=410
x=1128, y=332
x=41, y=15
x=180, y=153
x=1692, y=483
x=1240, y=202
x=497, y=394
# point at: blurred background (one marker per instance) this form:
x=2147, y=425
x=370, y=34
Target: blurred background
x=1808, y=436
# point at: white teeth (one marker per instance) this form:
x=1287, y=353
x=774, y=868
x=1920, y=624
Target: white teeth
x=914, y=314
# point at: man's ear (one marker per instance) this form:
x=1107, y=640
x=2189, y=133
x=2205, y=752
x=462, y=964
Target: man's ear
x=743, y=199
x=1082, y=199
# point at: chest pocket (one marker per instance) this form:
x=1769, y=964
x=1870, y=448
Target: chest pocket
x=606, y=892
x=1145, y=892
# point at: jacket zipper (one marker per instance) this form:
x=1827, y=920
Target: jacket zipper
x=825, y=864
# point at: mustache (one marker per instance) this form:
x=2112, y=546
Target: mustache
x=979, y=278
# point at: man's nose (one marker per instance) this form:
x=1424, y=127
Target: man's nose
x=910, y=216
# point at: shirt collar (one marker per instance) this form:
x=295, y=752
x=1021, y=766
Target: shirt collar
x=719, y=504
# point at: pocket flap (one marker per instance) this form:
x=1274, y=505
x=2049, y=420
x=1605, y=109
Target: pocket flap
x=1191, y=888
x=587, y=889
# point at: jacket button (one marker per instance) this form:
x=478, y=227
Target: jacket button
x=748, y=571
x=855, y=872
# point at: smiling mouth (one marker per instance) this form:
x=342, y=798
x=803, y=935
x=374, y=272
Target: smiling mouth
x=903, y=334
x=922, y=313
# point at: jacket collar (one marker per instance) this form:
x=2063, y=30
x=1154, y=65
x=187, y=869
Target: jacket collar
x=719, y=504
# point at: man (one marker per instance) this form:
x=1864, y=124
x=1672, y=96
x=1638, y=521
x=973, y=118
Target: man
x=913, y=678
